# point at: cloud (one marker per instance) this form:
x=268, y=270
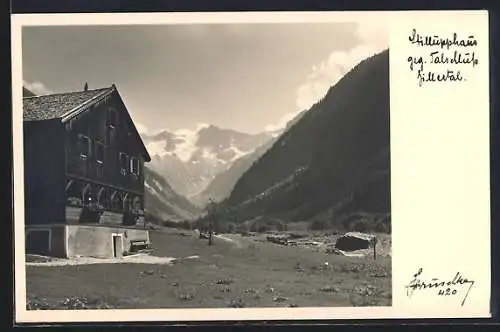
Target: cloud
x=373, y=38
x=37, y=88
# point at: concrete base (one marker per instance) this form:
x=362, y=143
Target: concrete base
x=102, y=241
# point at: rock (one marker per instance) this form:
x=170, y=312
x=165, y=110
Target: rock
x=279, y=299
x=378, y=275
x=355, y=269
x=225, y=290
x=269, y=290
x=330, y=289
x=298, y=268
x=236, y=303
x=277, y=239
x=333, y=250
x=224, y=281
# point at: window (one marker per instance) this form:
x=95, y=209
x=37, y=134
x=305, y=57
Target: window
x=99, y=152
x=134, y=166
x=100, y=171
x=109, y=135
x=83, y=146
x=124, y=162
x=111, y=124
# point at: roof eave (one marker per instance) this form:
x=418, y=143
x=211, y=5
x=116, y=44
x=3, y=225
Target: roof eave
x=83, y=106
x=147, y=157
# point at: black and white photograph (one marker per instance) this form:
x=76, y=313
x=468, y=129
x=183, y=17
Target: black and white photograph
x=207, y=165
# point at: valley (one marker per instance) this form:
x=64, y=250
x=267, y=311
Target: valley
x=329, y=166
x=235, y=272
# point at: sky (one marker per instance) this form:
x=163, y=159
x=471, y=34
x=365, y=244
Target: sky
x=247, y=77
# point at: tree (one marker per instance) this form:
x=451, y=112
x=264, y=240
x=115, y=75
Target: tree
x=319, y=225
x=231, y=227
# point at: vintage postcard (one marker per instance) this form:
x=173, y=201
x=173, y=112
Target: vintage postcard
x=251, y=166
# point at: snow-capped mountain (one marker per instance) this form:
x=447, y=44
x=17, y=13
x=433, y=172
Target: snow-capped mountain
x=221, y=186
x=190, y=159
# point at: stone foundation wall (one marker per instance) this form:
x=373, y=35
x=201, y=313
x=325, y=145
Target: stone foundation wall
x=82, y=240
x=97, y=241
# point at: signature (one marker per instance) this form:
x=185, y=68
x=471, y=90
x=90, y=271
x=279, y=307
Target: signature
x=443, y=287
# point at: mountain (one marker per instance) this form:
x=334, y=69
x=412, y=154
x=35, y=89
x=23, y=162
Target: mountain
x=163, y=202
x=190, y=159
x=221, y=186
x=333, y=163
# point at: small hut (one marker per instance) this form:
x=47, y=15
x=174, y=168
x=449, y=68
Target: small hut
x=355, y=241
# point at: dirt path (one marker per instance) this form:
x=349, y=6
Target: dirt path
x=237, y=243
x=133, y=259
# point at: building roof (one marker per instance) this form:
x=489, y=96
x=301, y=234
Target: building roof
x=363, y=236
x=58, y=105
x=65, y=106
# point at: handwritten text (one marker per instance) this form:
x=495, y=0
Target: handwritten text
x=445, y=59
x=441, y=287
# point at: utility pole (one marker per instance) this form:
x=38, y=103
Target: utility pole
x=211, y=216
x=374, y=248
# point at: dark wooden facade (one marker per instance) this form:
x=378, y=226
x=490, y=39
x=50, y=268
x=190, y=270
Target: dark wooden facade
x=85, y=165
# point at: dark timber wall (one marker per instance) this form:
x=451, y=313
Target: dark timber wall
x=44, y=178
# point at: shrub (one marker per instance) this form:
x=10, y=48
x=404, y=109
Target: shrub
x=254, y=227
x=74, y=201
x=231, y=227
x=170, y=223
x=347, y=221
x=380, y=227
x=186, y=225
x=241, y=228
x=360, y=225
x=262, y=228
x=280, y=226
x=319, y=225
x=383, y=225
x=297, y=226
